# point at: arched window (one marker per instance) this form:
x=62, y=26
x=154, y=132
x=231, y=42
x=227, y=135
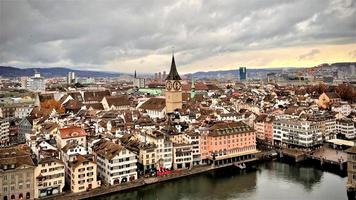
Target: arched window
x=28, y=195
x=5, y=197
x=20, y=196
x=12, y=196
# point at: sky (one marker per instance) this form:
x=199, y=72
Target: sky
x=124, y=36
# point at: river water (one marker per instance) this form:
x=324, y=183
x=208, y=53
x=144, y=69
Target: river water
x=271, y=180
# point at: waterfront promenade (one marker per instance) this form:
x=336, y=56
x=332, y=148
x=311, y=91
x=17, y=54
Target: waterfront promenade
x=104, y=190
x=324, y=155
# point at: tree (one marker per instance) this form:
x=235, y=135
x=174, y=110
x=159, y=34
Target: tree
x=52, y=104
x=346, y=92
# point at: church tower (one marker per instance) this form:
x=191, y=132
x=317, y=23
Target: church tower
x=192, y=90
x=173, y=89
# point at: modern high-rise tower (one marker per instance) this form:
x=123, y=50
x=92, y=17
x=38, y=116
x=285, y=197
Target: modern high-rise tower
x=242, y=73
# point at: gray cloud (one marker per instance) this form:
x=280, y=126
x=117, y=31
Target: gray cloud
x=309, y=55
x=91, y=34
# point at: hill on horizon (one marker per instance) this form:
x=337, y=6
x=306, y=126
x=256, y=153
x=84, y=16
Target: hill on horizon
x=8, y=71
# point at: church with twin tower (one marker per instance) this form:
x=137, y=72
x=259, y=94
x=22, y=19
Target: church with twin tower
x=173, y=89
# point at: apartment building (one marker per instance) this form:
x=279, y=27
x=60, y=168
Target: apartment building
x=298, y=133
x=49, y=177
x=116, y=164
x=327, y=125
x=182, y=156
x=82, y=173
x=345, y=128
x=164, y=148
x=4, y=131
x=193, y=138
x=16, y=173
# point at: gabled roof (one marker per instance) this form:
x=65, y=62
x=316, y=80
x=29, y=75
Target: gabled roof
x=95, y=95
x=173, y=73
x=118, y=100
x=108, y=149
x=154, y=104
x=16, y=156
x=81, y=159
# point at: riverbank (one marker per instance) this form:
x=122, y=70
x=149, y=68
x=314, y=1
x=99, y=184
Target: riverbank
x=105, y=190
x=269, y=180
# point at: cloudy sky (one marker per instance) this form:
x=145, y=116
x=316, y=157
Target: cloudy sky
x=206, y=35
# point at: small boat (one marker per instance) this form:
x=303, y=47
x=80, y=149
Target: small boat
x=241, y=166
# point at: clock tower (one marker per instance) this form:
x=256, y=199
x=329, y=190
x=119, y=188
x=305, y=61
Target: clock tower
x=173, y=89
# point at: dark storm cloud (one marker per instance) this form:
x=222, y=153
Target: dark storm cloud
x=93, y=33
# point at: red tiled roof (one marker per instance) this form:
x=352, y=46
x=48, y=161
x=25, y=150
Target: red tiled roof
x=72, y=132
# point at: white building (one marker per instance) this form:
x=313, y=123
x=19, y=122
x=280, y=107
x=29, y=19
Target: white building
x=193, y=138
x=296, y=132
x=182, y=156
x=139, y=82
x=71, y=79
x=23, y=110
x=4, y=131
x=116, y=164
x=346, y=128
x=36, y=83
x=327, y=125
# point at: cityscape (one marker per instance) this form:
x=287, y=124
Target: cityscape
x=137, y=100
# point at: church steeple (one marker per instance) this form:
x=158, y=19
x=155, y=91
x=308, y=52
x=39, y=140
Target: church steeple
x=173, y=73
x=173, y=91
x=135, y=74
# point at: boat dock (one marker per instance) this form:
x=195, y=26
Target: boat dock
x=324, y=155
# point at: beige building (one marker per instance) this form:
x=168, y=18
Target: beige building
x=173, y=89
x=16, y=173
x=351, y=169
x=82, y=173
x=49, y=177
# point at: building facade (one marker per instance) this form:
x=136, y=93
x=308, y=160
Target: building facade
x=16, y=173
x=116, y=164
x=227, y=141
x=49, y=177
x=294, y=132
x=4, y=131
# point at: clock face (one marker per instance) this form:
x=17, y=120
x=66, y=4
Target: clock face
x=169, y=85
x=177, y=85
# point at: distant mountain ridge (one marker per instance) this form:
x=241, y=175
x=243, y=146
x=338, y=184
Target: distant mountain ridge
x=231, y=72
x=7, y=71
x=253, y=71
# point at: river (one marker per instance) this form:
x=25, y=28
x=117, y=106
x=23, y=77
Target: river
x=271, y=180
